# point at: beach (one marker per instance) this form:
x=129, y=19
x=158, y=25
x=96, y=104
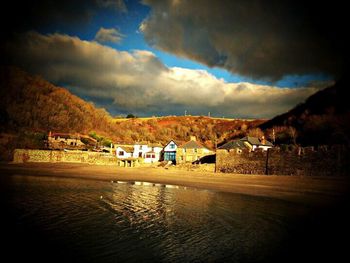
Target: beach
x=309, y=190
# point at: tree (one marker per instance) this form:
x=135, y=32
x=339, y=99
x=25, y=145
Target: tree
x=130, y=116
x=293, y=134
x=256, y=132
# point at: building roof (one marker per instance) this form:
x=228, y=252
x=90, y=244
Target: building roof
x=88, y=138
x=170, y=142
x=63, y=135
x=141, y=143
x=72, y=136
x=192, y=145
x=256, y=141
x=233, y=145
x=127, y=149
x=156, y=145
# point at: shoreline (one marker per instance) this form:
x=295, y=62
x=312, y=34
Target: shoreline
x=307, y=190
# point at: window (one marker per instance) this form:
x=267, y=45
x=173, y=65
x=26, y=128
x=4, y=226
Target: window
x=195, y=150
x=172, y=146
x=140, y=154
x=140, y=147
x=121, y=153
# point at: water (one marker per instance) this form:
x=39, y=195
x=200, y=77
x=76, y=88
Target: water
x=69, y=220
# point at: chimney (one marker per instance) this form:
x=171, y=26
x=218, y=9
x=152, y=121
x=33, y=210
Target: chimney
x=193, y=138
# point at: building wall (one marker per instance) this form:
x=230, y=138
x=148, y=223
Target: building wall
x=124, y=155
x=58, y=142
x=143, y=149
x=25, y=155
x=190, y=155
x=156, y=152
x=169, y=148
x=297, y=161
x=140, y=149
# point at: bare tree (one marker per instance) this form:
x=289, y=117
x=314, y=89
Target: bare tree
x=293, y=134
x=256, y=132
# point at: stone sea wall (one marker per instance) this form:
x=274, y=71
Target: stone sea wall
x=26, y=155
x=323, y=161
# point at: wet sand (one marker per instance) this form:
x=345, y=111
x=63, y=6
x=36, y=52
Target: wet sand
x=309, y=190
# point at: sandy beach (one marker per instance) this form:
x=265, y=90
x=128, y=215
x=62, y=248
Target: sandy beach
x=291, y=188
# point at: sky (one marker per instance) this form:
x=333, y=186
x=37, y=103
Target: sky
x=232, y=58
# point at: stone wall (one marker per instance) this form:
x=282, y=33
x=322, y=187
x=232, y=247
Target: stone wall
x=297, y=161
x=26, y=155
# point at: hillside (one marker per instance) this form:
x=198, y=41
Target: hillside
x=31, y=102
x=207, y=130
x=324, y=118
x=30, y=107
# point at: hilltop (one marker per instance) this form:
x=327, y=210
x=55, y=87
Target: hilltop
x=30, y=107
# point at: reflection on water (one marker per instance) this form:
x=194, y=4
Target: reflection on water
x=93, y=221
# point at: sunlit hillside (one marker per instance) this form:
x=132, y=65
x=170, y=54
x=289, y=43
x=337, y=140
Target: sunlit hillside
x=31, y=107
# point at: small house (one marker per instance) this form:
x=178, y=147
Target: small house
x=191, y=151
x=236, y=145
x=140, y=149
x=68, y=141
x=153, y=155
x=169, y=151
x=123, y=152
x=254, y=143
x=249, y=143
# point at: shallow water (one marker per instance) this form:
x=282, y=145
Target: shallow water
x=56, y=219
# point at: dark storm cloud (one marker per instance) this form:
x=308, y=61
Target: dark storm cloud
x=20, y=16
x=260, y=39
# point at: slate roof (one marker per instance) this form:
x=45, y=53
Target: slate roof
x=192, y=145
x=256, y=141
x=156, y=145
x=63, y=135
x=127, y=149
x=240, y=143
x=233, y=145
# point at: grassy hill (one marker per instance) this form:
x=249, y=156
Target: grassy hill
x=30, y=107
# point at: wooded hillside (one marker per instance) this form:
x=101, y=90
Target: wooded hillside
x=30, y=107
x=324, y=118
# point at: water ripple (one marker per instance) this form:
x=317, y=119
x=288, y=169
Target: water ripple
x=150, y=222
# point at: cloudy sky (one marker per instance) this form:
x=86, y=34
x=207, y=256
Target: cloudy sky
x=232, y=58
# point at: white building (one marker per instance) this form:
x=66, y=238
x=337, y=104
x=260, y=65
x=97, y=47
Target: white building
x=170, y=151
x=153, y=153
x=124, y=152
x=149, y=152
x=140, y=149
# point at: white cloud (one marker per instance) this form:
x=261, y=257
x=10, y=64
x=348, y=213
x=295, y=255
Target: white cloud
x=109, y=35
x=140, y=83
